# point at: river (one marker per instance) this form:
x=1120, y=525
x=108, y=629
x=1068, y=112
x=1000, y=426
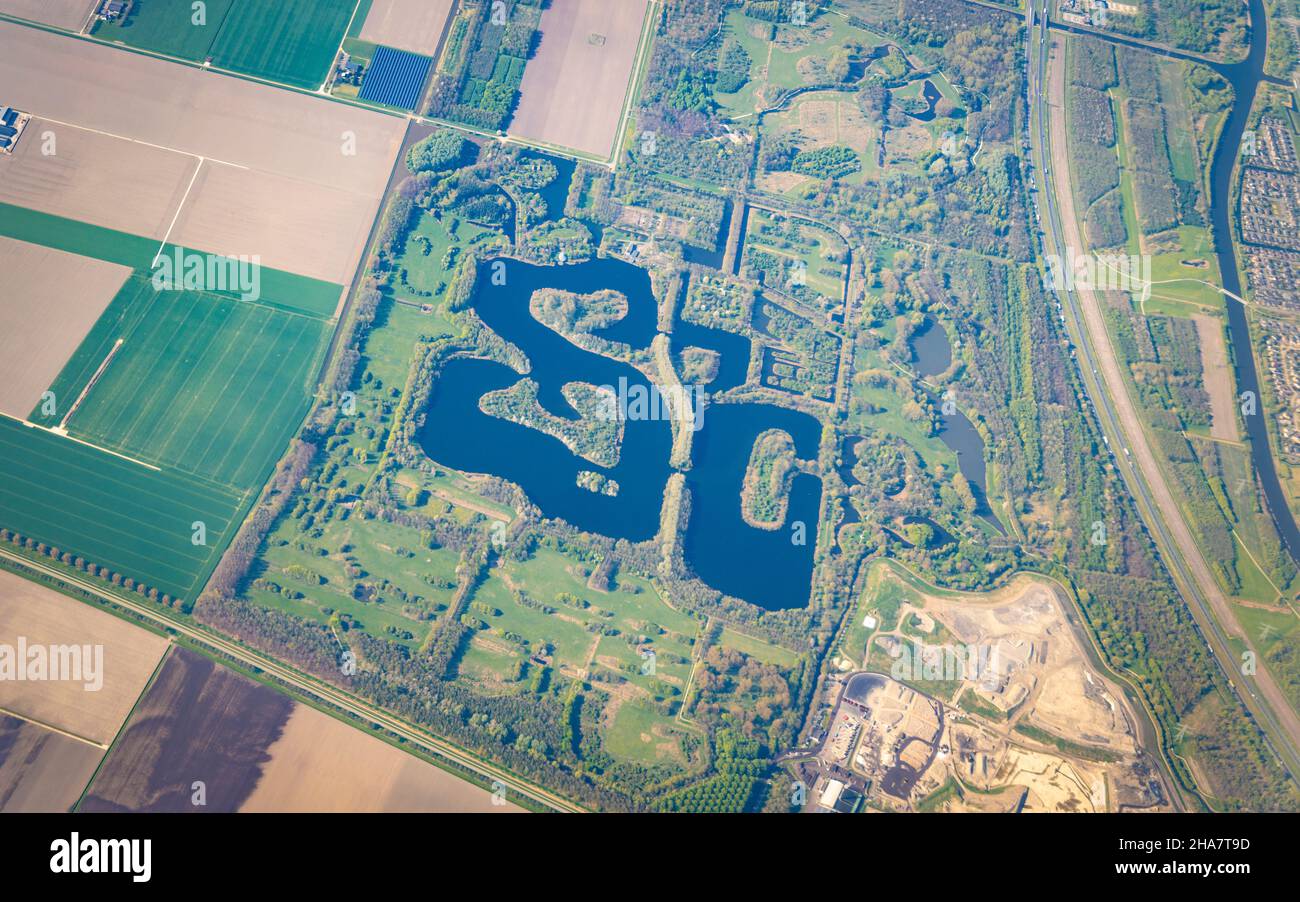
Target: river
x=1245, y=77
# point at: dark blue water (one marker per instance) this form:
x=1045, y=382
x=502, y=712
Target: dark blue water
x=1245, y=77
x=931, y=95
x=931, y=350
x=933, y=355
x=726, y=552
x=733, y=351
x=762, y=567
x=458, y=434
x=556, y=194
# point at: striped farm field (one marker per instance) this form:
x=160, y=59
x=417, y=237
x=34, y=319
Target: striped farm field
x=289, y=41
x=198, y=392
x=168, y=26
x=113, y=512
x=206, y=384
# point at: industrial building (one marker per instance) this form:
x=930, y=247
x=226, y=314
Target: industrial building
x=12, y=123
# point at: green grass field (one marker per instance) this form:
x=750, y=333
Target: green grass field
x=206, y=384
x=113, y=512
x=758, y=649
x=375, y=547
x=206, y=387
x=168, y=26
x=633, y=609
x=203, y=382
x=289, y=41
x=639, y=733
x=797, y=240
x=886, y=406
x=774, y=67
x=883, y=598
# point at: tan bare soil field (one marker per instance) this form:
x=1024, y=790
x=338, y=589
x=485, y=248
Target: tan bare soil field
x=69, y=14
x=1054, y=784
x=826, y=119
x=574, y=88
x=414, y=25
x=322, y=765
x=1057, y=688
x=310, y=229
x=198, y=722
x=44, y=617
x=341, y=155
x=1218, y=378
x=51, y=300
x=96, y=178
x=201, y=113
x=256, y=749
x=40, y=770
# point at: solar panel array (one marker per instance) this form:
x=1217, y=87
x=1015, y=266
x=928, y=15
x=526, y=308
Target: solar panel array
x=395, y=78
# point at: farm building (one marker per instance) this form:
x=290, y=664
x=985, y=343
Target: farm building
x=115, y=10
x=12, y=123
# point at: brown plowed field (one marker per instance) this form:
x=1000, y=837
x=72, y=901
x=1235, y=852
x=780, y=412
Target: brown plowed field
x=575, y=85
x=45, y=617
x=40, y=770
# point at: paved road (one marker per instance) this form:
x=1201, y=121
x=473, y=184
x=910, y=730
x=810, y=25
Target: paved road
x=1104, y=381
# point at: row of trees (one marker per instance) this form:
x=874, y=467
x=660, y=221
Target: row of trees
x=79, y=563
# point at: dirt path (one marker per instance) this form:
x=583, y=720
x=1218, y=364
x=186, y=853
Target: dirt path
x=1109, y=370
x=470, y=505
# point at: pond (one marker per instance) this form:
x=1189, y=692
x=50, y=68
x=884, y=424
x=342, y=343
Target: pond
x=931, y=96
x=932, y=352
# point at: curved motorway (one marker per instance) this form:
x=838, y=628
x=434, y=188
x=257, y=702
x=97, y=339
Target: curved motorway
x=1104, y=382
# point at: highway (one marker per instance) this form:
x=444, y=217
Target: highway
x=1124, y=433
x=310, y=687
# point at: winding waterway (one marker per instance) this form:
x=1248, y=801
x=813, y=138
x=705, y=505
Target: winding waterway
x=1245, y=77
x=772, y=569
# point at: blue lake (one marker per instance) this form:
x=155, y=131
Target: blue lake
x=766, y=568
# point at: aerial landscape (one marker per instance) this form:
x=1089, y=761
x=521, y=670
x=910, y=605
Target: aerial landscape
x=649, y=406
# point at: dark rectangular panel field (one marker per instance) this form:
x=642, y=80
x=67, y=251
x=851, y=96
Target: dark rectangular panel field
x=396, y=78
x=197, y=723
